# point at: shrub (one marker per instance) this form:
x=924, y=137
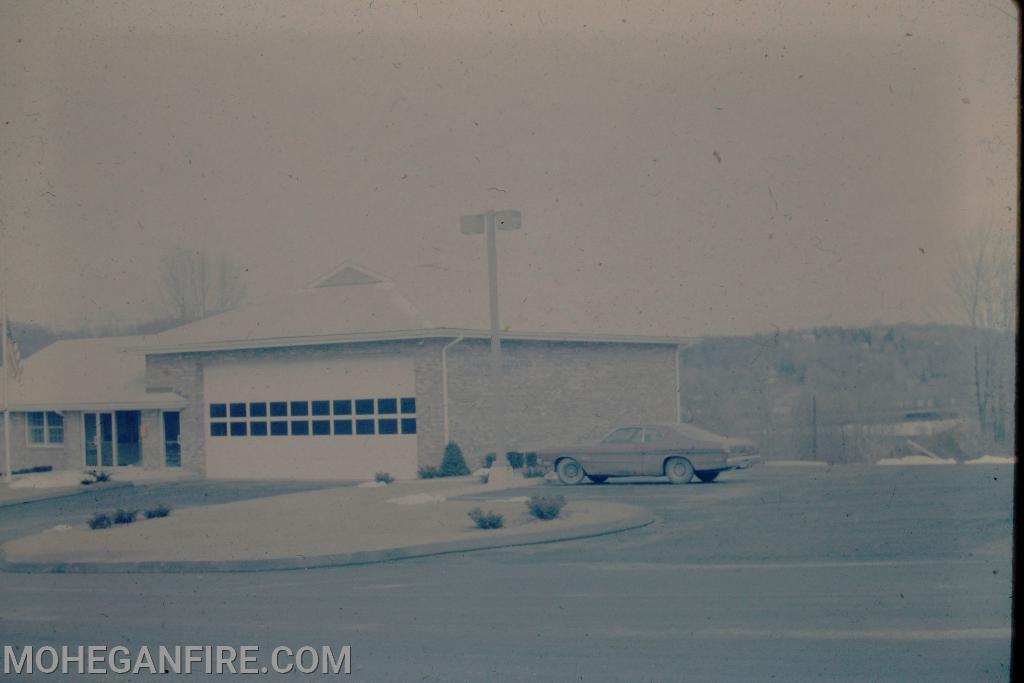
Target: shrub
x=515, y=459
x=488, y=460
x=429, y=472
x=159, y=511
x=383, y=478
x=531, y=460
x=453, y=464
x=101, y=520
x=125, y=516
x=533, y=472
x=87, y=482
x=486, y=520
x=546, y=507
x=34, y=470
x=98, y=476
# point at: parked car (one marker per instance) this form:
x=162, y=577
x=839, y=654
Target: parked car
x=675, y=451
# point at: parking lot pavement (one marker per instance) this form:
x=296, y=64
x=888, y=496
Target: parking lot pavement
x=854, y=573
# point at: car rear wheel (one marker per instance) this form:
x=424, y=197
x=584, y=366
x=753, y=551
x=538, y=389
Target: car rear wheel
x=707, y=477
x=569, y=471
x=596, y=479
x=678, y=470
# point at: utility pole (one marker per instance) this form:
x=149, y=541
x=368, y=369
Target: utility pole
x=814, y=426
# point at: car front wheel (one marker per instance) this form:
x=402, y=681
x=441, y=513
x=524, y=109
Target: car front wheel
x=569, y=471
x=678, y=470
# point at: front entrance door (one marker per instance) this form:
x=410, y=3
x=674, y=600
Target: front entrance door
x=99, y=439
x=112, y=439
x=172, y=432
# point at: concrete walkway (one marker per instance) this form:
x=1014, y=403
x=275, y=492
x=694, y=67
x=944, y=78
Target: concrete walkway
x=327, y=527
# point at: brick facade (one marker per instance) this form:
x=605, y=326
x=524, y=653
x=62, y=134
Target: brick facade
x=68, y=455
x=557, y=391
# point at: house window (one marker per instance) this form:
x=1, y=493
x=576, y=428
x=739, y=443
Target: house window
x=45, y=428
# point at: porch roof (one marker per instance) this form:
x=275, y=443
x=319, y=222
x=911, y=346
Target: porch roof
x=88, y=374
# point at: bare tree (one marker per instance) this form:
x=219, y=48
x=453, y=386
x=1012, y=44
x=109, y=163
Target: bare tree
x=197, y=285
x=983, y=279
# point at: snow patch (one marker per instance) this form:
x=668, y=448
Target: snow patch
x=48, y=480
x=993, y=460
x=371, y=484
x=916, y=460
x=60, y=527
x=417, y=499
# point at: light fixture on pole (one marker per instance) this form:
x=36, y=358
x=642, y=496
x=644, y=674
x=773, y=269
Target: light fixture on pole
x=487, y=224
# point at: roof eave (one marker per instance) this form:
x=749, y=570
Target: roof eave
x=406, y=335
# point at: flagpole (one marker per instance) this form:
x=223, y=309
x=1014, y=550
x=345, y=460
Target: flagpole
x=8, y=474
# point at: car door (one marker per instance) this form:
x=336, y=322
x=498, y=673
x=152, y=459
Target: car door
x=619, y=453
x=653, y=451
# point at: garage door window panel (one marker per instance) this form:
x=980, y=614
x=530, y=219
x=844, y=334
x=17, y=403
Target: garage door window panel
x=343, y=407
x=408, y=425
x=343, y=427
x=257, y=410
x=218, y=429
x=239, y=428
x=365, y=427
x=258, y=429
x=321, y=427
x=300, y=428
x=387, y=406
x=387, y=426
x=279, y=409
x=218, y=410
x=300, y=408
x=279, y=428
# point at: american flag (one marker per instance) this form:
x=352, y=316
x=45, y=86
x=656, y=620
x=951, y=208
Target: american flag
x=12, y=363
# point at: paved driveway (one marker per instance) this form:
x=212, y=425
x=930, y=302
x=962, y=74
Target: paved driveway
x=786, y=574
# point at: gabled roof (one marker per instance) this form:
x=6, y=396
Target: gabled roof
x=348, y=300
x=348, y=304
x=81, y=374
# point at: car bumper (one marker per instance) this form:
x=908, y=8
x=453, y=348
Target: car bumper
x=741, y=462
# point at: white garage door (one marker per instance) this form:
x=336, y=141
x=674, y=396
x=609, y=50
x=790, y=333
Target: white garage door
x=311, y=419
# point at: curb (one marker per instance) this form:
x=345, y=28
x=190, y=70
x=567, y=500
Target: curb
x=67, y=494
x=639, y=519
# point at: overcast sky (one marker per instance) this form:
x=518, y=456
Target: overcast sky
x=682, y=167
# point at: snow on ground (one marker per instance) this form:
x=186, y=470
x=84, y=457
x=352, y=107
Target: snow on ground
x=48, y=480
x=372, y=484
x=916, y=460
x=993, y=460
x=795, y=463
x=418, y=499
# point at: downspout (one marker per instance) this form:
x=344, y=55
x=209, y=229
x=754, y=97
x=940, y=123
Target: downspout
x=679, y=390
x=444, y=383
